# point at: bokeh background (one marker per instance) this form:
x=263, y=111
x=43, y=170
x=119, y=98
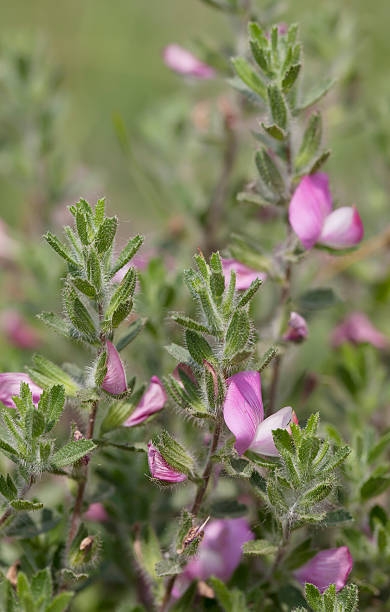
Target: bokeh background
x=88, y=108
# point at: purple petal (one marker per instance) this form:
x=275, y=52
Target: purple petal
x=243, y=408
x=309, y=206
x=182, y=61
x=220, y=551
x=115, y=380
x=298, y=328
x=96, y=512
x=18, y=331
x=343, y=228
x=331, y=566
x=357, y=328
x=160, y=469
x=263, y=442
x=10, y=386
x=244, y=275
x=152, y=401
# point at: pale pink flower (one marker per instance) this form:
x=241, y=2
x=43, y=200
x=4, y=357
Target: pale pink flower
x=115, y=380
x=331, y=566
x=96, y=512
x=182, y=61
x=244, y=275
x=357, y=328
x=10, y=387
x=152, y=401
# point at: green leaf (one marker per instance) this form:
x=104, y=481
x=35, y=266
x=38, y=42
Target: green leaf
x=84, y=286
x=60, y=248
x=313, y=596
x=269, y=172
x=274, y=131
x=229, y=600
x=189, y=323
x=238, y=333
x=106, y=234
x=249, y=76
x=316, y=494
x=52, y=404
x=25, y=504
x=311, y=142
x=121, y=313
x=127, y=253
x=41, y=585
x=132, y=332
x=168, y=567
x=178, y=352
x=72, y=452
x=7, y=487
x=60, y=602
x=78, y=314
x=268, y=356
x=82, y=227
x=374, y=486
x=150, y=553
x=61, y=326
x=198, y=347
x=249, y=293
x=278, y=106
x=99, y=211
x=228, y=508
x=379, y=448
x=184, y=604
x=317, y=299
x=174, y=453
x=259, y=547
x=260, y=57
x=54, y=374
x=319, y=162
x=290, y=77
x=315, y=95
x=123, y=292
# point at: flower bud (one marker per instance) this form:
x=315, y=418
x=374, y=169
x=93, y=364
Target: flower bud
x=160, y=469
x=115, y=380
x=297, y=328
x=182, y=61
x=152, y=401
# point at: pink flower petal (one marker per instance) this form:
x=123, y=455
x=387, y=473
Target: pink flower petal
x=182, y=61
x=152, y=401
x=96, y=512
x=298, y=328
x=309, y=206
x=243, y=408
x=244, y=275
x=331, y=566
x=357, y=328
x=10, y=386
x=343, y=228
x=220, y=551
x=19, y=332
x=263, y=442
x=115, y=379
x=160, y=469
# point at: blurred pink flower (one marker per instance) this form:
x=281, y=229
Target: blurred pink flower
x=115, y=380
x=297, y=328
x=313, y=220
x=152, y=401
x=10, y=386
x=244, y=415
x=160, y=469
x=331, y=566
x=219, y=552
x=96, y=512
x=182, y=61
x=19, y=332
x=244, y=275
x=357, y=328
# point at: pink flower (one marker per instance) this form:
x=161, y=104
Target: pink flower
x=160, y=469
x=152, y=401
x=10, y=386
x=96, y=512
x=219, y=552
x=19, y=332
x=331, y=566
x=357, y=328
x=244, y=415
x=313, y=220
x=298, y=328
x=115, y=380
x=244, y=275
x=182, y=61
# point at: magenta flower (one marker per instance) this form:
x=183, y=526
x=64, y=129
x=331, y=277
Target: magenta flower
x=96, y=512
x=10, y=386
x=357, y=328
x=182, y=61
x=152, y=401
x=297, y=328
x=244, y=275
x=18, y=332
x=244, y=415
x=115, y=380
x=219, y=552
x=331, y=566
x=160, y=469
x=313, y=220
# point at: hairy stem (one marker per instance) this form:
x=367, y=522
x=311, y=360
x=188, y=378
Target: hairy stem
x=78, y=505
x=201, y=491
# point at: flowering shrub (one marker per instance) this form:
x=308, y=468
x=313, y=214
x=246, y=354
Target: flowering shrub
x=184, y=479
